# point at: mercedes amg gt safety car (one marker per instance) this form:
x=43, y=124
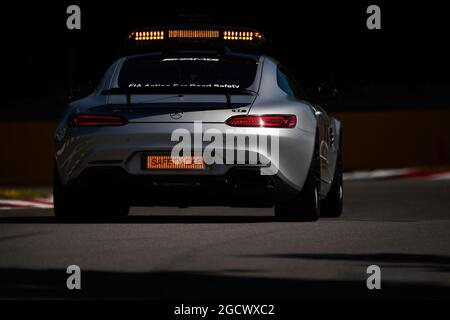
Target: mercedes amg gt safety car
x=250, y=136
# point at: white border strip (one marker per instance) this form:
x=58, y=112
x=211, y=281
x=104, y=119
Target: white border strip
x=25, y=204
x=376, y=174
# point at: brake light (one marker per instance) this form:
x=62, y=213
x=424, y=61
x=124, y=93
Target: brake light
x=269, y=121
x=96, y=120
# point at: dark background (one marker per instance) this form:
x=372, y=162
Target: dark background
x=403, y=65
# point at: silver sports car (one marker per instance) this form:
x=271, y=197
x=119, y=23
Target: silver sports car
x=192, y=125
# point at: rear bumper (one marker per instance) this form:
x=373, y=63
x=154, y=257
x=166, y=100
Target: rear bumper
x=81, y=149
x=239, y=187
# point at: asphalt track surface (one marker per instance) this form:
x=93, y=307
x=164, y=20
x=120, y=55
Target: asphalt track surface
x=215, y=253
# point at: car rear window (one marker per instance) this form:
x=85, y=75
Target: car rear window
x=188, y=72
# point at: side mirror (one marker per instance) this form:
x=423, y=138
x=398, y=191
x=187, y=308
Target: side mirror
x=326, y=93
x=80, y=91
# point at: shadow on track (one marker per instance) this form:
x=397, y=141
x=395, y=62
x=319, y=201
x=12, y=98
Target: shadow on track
x=146, y=219
x=394, y=260
x=29, y=283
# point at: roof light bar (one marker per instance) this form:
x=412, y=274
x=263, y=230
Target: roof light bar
x=191, y=34
x=147, y=35
x=240, y=35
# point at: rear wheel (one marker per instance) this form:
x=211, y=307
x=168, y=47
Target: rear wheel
x=70, y=202
x=332, y=205
x=305, y=206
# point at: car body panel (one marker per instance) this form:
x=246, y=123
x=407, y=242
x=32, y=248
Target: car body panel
x=152, y=118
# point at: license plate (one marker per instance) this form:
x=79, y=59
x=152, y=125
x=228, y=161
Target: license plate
x=167, y=162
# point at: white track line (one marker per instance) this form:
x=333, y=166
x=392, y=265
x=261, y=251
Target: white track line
x=25, y=204
x=440, y=176
x=376, y=174
x=48, y=200
x=409, y=173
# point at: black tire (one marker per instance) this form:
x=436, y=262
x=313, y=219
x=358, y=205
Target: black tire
x=71, y=203
x=305, y=206
x=63, y=200
x=332, y=205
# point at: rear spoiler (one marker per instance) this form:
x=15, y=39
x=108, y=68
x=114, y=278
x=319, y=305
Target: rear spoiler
x=132, y=91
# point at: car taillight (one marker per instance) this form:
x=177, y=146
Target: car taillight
x=270, y=121
x=95, y=120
